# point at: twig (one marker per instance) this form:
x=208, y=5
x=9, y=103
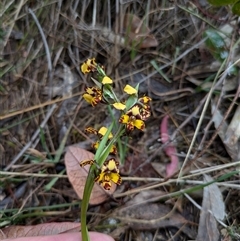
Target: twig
x=38, y=106
x=43, y=39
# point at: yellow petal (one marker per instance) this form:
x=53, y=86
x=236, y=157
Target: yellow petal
x=90, y=90
x=119, y=106
x=100, y=177
x=116, y=178
x=130, y=90
x=139, y=124
x=106, y=80
x=84, y=68
x=88, y=66
x=112, y=165
x=145, y=99
x=95, y=145
x=91, y=62
x=88, y=98
x=103, y=130
x=135, y=110
x=124, y=119
x=113, y=150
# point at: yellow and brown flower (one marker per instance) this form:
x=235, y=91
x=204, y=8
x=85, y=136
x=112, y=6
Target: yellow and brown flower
x=144, y=108
x=93, y=95
x=132, y=119
x=109, y=173
x=89, y=65
x=145, y=100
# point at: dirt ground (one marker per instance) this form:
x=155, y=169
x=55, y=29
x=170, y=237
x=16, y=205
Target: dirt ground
x=184, y=55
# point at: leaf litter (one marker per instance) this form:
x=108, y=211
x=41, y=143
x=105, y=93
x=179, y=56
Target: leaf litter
x=179, y=54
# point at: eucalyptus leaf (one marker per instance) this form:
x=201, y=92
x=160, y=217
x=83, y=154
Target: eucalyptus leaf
x=216, y=44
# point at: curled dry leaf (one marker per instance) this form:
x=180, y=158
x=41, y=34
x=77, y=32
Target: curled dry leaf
x=38, y=230
x=137, y=32
x=213, y=208
x=77, y=175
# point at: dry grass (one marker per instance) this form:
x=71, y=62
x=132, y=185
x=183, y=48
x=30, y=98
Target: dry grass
x=41, y=86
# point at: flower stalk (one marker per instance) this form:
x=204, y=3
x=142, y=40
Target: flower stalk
x=134, y=112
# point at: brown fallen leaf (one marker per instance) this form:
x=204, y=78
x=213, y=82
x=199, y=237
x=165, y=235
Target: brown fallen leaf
x=233, y=130
x=38, y=230
x=212, y=208
x=137, y=32
x=140, y=215
x=77, y=175
x=226, y=132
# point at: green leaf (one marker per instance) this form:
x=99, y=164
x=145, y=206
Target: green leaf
x=236, y=8
x=53, y=181
x=97, y=83
x=216, y=44
x=102, y=145
x=122, y=149
x=221, y=2
x=107, y=92
x=44, y=144
x=154, y=64
x=101, y=71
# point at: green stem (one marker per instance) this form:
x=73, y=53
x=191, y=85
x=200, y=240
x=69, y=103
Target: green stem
x=106, y=151
x=114, y=95
x=90, y=180
x=84, y=205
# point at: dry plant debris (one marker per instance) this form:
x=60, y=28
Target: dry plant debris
x=38, y=230
x=160, y=45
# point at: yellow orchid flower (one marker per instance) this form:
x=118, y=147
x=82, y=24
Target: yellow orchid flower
x=93, y=95
x=109, y=173
x=132, y=122
x=89, y=65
